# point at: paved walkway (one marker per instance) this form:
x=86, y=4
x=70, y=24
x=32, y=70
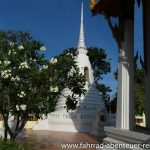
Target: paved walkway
x=49, y=140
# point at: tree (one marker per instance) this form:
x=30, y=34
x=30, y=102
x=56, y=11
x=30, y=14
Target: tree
x=100, y=65
x=30, y=84
x=139, y=87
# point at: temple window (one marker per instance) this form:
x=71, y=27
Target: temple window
x=86, y=74
x=1, y=118
x=102, y=118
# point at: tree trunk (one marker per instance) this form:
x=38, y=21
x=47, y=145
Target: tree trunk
x=5, y=117
x=18, y=129
x=6, y=126
x=19, y=126
x=5, y=134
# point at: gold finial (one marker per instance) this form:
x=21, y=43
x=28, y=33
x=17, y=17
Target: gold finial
x=92, y=4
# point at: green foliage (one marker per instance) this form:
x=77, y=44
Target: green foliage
x=68, y=75
x=30, y=84
x=139, y=100
x=113, y=104
x=71, y=103
x=99, y=62
x=139, y=88
x=24, y=82
x=10, y=145
x=104, y=90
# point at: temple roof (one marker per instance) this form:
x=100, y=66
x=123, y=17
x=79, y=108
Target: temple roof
x=113, y=8
x=110, y=7
x=81, y=44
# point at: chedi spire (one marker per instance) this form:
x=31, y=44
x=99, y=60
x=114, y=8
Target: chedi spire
x=81, y=45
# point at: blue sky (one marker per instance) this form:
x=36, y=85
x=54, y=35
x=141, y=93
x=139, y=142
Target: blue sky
x=56, y=23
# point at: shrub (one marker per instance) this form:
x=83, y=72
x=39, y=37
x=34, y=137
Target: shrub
x=12, y=145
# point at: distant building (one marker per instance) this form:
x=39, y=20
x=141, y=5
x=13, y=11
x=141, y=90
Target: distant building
x=140, y=120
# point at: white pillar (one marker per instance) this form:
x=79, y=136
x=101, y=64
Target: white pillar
x=125, y=99
x=146, y=11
